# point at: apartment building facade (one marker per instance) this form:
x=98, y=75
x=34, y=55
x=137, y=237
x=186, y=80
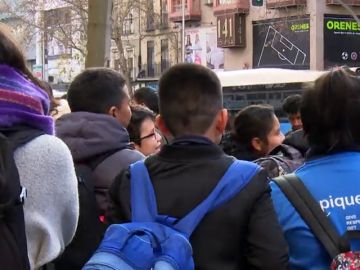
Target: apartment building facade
x=151, y=43
x=296, y=34
x=220, y=34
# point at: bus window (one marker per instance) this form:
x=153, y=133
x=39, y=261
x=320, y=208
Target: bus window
x=239, y=97
x=263, y=86
x=275, y=95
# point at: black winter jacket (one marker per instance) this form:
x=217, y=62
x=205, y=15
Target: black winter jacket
x=242, y=234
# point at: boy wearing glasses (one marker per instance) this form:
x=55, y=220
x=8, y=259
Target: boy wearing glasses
x=142, y=131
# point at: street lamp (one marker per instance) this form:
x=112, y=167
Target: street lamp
x=183, y=31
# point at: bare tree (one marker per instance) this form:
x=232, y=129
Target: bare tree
x=63, y=20
x=147, y=21
x=121, y=10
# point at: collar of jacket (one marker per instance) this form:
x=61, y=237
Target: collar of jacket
x=190, y=148
x=242, y=152
x=191, y=139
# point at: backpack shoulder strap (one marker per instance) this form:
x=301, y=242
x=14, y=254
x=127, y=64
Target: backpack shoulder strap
x=84, y=174
x=22, y=136
x=9, y=141
x=11, y=193
x=122, y=159
x=234, y=180
x=143, y=200
x=272, y=158
x=310, y=212
x=12, y=196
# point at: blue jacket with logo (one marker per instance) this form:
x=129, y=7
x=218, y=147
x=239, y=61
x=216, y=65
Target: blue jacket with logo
x=334, y=181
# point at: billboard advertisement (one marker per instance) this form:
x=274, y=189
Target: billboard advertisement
x=341, y=41
x=282, y=43
x=37, y=71
x=201, y=48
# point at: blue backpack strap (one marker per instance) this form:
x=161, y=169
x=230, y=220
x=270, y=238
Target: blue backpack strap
x=235, y=178
x=143, y=200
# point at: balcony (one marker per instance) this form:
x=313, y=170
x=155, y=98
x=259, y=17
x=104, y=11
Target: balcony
x=222, y=7
x=355, y=3
x=284, y=3
x=192, y=10
x=153, y=70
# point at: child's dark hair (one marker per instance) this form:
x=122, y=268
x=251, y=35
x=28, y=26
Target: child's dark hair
x=251, y=122
x=291, y=104
x=96, y=90
x=148, y=97
x=190, y=98
x=330, y=110
x=139, y=115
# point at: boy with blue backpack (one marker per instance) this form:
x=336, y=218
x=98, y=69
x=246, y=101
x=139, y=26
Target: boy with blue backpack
x=191, y=206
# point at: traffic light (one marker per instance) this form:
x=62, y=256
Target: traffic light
x=257, y=3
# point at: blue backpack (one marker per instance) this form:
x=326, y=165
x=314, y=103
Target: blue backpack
x=153, y=241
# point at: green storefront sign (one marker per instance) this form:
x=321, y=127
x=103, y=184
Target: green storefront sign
x=341, y=41
x=342, y=25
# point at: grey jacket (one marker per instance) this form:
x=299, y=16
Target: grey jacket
x=46, y=169
x=102, y=143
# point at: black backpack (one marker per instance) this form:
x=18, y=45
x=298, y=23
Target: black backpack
x=90, y=230
x=13, y=247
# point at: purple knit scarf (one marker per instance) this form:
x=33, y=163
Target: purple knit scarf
x=22, y=102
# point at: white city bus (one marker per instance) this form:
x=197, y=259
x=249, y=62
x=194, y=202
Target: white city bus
x=263, y=86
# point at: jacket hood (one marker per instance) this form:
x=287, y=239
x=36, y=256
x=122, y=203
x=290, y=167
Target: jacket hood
x=90, y=134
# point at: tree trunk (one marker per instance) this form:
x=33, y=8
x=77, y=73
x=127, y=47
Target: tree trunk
x=99, y=29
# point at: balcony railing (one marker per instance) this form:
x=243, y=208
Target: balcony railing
x=153, y=70
x=354, y=3
x=231, y=6
x=192, y=10
x=178, y=8
x=284, y=3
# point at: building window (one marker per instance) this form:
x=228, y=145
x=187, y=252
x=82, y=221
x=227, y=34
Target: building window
x=177, y=5
x=226, y=2
x=128, y=28
x=150, y=59
x=164, y=55
x=57, y=31
x=150, y=25
x=164, y=14
x=117, y=64
x=130, y=65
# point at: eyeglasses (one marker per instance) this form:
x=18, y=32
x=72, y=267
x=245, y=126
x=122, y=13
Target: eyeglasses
x=153, y=134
